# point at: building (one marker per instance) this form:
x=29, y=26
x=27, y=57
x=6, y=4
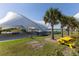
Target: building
x=16, y=20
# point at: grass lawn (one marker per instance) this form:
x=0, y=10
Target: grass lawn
x=36, y=47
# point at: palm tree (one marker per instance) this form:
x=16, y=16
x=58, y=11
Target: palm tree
x=74, y=24
x=51, y=16
x=0, y=30
x=78, y=27
x=71, y=23
x=63, y=22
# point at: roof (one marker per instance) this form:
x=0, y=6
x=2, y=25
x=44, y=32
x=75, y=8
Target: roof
x=13, y=19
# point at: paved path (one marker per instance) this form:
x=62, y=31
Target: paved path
x=51, y=40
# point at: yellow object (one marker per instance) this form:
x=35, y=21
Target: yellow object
x=67, y=40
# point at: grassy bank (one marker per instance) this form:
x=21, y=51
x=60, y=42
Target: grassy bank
x=36, y=46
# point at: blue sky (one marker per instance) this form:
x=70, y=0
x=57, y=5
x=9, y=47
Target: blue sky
x=37, y=11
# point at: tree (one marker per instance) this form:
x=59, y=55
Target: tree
x=63, y=22
x=77, y=26
x=74, y=24
x=51, y=16
x=71, y=23
x=0, y=30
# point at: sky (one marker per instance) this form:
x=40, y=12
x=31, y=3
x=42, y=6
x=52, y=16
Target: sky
x=37, y=11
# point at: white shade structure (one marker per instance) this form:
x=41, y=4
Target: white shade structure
x=76, y=16
x=13, y=19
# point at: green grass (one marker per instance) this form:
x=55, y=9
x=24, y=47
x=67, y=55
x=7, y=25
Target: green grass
x=17, y=47
x=21, y=48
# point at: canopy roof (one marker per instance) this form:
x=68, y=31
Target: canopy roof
x=13, y=19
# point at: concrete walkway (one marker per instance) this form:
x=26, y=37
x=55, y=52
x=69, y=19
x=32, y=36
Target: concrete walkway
x=50, y=40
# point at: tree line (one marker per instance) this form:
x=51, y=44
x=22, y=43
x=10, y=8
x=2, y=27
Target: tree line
x=54, y=16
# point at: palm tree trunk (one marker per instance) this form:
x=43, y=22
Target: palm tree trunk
x=72, y=31
x=61, y=31
x=0, y=31
x=52, y=32
x=68, y=32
